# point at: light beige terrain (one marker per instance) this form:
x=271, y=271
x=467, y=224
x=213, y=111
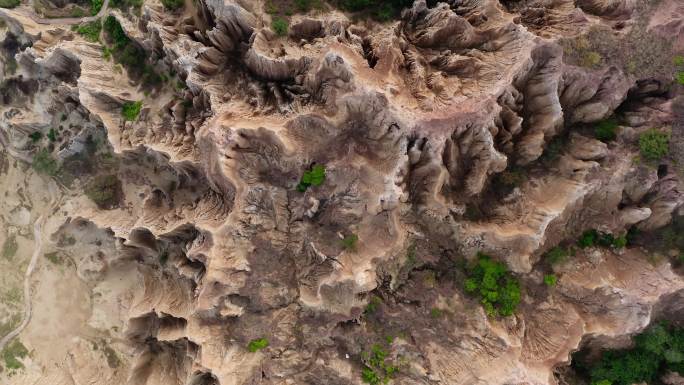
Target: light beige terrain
x=451, y=129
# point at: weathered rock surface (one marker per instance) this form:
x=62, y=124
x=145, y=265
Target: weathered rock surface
x=458, y=128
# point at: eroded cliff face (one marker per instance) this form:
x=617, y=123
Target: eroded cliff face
x=178, y=236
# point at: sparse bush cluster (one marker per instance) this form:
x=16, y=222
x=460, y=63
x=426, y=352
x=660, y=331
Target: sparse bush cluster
x=90, y=31
x=129, y=54
x=654, y=144
x=657, y=350
x=592, y=237
x=12, y=355
x=378, y=369
x=9, y=3
x=498, y=290
x=44, y=163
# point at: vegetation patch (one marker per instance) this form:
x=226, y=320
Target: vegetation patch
x=558, y=255
x=54, y=258
x=257, y=344
x=313, y=177
x=550, y=280
x=279, y=26
x=52, y=135
x=498, y=290
x=43, y=163
x=12, y=355
x=113, y=360
x=350, y=242
x=378, y=369
x=654, y=144
x=372, y=306
x=9, y=3
x=10, y=247
x=131, y=110
x=289, y=7
x=89, y=31
x=592, y=237
x=126, y=4
x=173, y=4
x=657, y=350
x=605, y=130
x=96, y=6
x=104, y=190
x=35, y=136
x=129, y=54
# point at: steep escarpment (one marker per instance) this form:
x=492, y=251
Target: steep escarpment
x=466, y=194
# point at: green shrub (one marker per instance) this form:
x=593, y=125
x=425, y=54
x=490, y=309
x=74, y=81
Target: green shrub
x=378, y=369
x=498, y=290
x=10, y=247
x=9, y=3
x=605, y=130
x=553, y=149
x=173, y=4
x=654, y=144
x=52, y=135
x=131, y=110
x=35, y=136
x=95, y=6
x=373, y=305
x=129, y=54
x=12, y=353
x=557, y=255
x=593, y=237
x=279, y=26
x=126, y=4
x=313, y=177
x=620, y=242
x=90, y=31
x=303, y=5
x=115, y=32
x=436, y=313
x=257, y=344
x=587, y=239
x=550, y=280
x=678, y=60
x=657, y=350
x=104, y=190
x=163, y=257
x=43, y=163
x=349, y=242
x=679, y=77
